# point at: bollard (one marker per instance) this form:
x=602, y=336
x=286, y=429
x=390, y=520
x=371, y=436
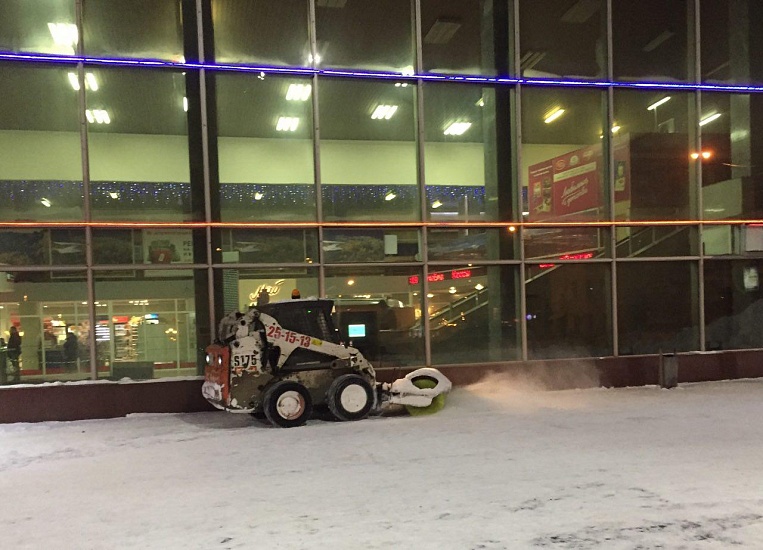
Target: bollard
x=668, y=372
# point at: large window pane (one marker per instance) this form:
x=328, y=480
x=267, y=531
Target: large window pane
x=138, y=145
x=44, y=26
x=650, y=39
x=657, y=304
x=467, y=153
x=272, y=32
x=654, y=241
x=150, y=29
x=41, y=159
x=563, y=38
x=370, y=245
x=49, y=312
x=726, y=27
x=568, y=311
x=368, y=151
x=653, y=171
x=379, y=311
x=258, y=246
x=733, y=300
x=731, y=182
x=146, y=325
x=469, y=244
x=563, y=168
x=464, y=36
x=265, y=148
x=473, y=314
x=566, y=243
x=367, y=35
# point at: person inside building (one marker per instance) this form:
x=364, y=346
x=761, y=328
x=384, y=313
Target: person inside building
x=295, y=295
x=14, y=353
x=71, y=350
x=263, y=297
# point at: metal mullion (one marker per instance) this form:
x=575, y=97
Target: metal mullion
x=85, y=157
x=613, y=312
x=312, y=29
x=700, y=202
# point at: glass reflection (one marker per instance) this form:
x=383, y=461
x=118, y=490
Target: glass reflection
x=563, y=167
x=256, y=246
x=44, y=26
x=370, y=245
x=272, y=32
x=655, y=176
x=265, y=148
x=243, y=288
x=728, y=27
x=41, y=161
x=138, y=145
x=367, y=35
x=368, y=151
x=569, y=40
x=384, y=302
x=473, y=314
x=733, y=300
x=149, y=29
x=472, y=244
x=568, y=310
x=653, y=39
x=465, y=36
x=657, y=306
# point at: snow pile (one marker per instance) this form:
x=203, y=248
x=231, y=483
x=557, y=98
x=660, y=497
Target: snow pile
x=503, y=466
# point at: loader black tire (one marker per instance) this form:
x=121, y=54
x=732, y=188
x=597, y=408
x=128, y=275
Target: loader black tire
x=350, y=397
x=438, y=402
x=287, y=404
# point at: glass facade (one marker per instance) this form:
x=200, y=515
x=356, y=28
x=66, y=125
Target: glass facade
x=471, y=182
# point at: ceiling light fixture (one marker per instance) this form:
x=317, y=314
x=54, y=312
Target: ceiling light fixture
x=480, y=102
x=65, y=36
x=390, y=196
x=442, y=31
x=479, y=286
x=553, y=115
x=258, y=196
x=298, y=92
x=436, y=204
x=91, y=82
x=384, y=112
x=708, y=119
x=45, y=202
x=656, y=104
x=98, y=116
x=185, y=104
x=457, y=128
x=659, y=39
x=581, y=11
x=287, y=124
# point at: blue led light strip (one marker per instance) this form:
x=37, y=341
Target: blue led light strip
x=381, y=75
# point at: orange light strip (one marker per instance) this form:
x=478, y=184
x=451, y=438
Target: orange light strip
x=313, y=225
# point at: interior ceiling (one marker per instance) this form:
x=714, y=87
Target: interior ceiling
x=560, y=37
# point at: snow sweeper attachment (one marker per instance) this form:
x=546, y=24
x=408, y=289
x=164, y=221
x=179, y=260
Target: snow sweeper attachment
x=283, y=358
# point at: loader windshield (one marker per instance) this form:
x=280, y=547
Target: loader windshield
x=311, y=317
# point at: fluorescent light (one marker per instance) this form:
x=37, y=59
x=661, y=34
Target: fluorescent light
x=480, y=102
x=390, y=196
x=436, y=204
x=298, y=92
x=287, y=124
x=659, y=39
x=91, y=82
x=442, y=31
x=65, y=36
x=114, y=195
x=258, y=196
x=185, y=104
x=45, y=202
x=479, y=286
x=709, y=119
x=457, y=128
x=74, y=81
x=553, y=115
x=581, y=11
x=401, y=84
x=452, y=290
x=615, y=128
x=384, y=112
x=98, y=116
x=317, y=58
x=656, y=104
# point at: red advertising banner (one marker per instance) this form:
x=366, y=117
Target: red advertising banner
x=571, y=183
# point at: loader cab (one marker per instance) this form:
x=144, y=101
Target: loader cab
x=311, y=317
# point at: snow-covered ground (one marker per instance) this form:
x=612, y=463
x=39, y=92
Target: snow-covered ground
x=503, y=466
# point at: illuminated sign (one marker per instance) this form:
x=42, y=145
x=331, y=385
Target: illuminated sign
x=442, y=276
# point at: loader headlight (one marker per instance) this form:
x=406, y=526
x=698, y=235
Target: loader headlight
x=220, y=360
x=208, y=359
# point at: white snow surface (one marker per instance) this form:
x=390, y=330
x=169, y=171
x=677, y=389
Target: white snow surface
x=504, y=465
